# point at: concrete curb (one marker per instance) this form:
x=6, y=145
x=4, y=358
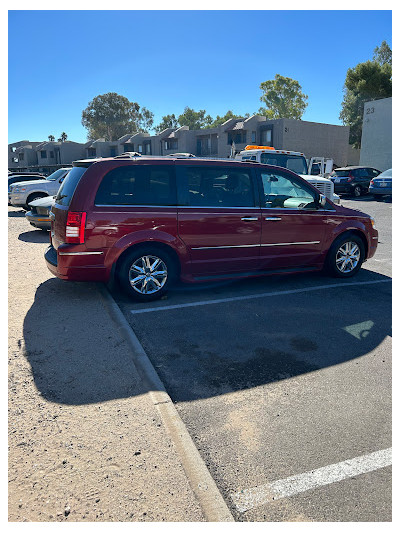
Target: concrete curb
x=200, y=480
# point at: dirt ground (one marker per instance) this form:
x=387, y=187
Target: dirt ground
x=85, y=441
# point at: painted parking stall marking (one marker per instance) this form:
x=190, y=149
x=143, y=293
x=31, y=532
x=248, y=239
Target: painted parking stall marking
x=247, y=499
x=253, y=296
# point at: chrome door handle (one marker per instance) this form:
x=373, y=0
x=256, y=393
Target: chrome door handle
x=249, y=219
x=272, y=218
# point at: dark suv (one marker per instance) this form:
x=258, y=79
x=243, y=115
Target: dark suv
x=353, y=180
x=149, y=221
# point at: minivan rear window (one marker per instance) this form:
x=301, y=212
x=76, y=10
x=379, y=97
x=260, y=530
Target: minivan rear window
x=138, y=185
x=68, y=186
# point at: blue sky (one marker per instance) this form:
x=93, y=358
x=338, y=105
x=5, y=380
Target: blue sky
x=166, y=60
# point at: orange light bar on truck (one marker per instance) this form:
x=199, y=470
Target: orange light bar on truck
x=251, y=147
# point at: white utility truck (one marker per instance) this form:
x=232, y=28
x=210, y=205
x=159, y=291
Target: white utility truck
x=294, y=161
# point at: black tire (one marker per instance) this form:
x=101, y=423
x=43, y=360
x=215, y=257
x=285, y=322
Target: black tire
x=126, y=273
x=31, y=199
x=357, y=191
x=335, y=255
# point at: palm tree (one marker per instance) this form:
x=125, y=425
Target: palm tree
x=63, y=137
x=51, y=138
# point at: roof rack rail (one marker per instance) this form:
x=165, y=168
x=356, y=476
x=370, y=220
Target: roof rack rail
x=127, y=155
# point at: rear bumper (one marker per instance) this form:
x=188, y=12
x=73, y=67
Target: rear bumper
x=343, y=188
x=381, y=190
x=76, y=266
x=38, y=221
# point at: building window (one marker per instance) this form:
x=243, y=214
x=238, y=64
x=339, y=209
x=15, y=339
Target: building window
x=171, y=144
x=113, y=151
x=15, y=159
x=51, y=155
x=12, y=149
x=147, y=148
x=43, y=154
x=253, y=136
x=140, y=148
x=91, y=152
x=266, y=137
x=236, y=137
x=128, y=147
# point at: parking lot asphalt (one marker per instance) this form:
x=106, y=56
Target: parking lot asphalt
x=283, y=376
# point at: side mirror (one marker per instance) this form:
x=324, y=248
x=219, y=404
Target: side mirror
x=322, y=200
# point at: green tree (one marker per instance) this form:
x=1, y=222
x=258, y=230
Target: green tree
x=63, y=137
x=51, y=138
x=168, y=121
x=195, y=119
x=383, y=54
x=283, y=98
x=220, y=120
x=367, y=81
x=112, y=115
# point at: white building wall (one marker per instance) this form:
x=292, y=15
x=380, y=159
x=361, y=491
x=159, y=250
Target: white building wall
x=376, y=140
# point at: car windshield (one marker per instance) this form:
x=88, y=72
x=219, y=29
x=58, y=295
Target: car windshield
x=57, y=174
x=295, y=163
x=386, y=174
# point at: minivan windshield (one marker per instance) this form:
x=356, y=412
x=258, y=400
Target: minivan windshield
x=295, y=163
x=57, y=174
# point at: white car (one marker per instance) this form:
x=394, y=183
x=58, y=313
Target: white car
x=22, y=193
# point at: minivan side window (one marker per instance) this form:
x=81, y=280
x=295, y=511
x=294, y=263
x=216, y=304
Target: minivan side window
x=217, y=187
x=282, y=191
x=138, y=185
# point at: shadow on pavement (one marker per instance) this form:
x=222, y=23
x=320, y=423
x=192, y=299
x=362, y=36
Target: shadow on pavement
x=16, y=213
x=201, y=351
x=36, y=235
x=69, y=342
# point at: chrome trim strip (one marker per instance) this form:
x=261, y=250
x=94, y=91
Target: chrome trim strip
x=288, y=243
x=235, y=246
x=254, y=245
x=80, y=253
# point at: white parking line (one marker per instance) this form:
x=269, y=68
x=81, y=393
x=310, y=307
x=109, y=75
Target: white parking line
x=245, y=500
x=253, y=296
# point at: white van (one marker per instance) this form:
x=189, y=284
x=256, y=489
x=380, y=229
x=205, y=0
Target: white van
x=294, y=161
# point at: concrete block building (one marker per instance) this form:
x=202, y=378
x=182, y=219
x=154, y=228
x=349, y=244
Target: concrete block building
x=311, y=138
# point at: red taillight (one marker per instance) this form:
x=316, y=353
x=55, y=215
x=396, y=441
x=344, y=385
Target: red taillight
x=75, y=228
x=371, y=182
x=350, y=178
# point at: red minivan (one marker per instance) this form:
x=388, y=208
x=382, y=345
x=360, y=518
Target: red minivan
x=149, y=221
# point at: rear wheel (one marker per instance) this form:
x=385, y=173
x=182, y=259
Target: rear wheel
x=146, y=273
x=357, y=191
x=345, y=256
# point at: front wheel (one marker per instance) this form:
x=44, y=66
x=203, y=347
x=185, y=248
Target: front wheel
x=346, y=256
x=146, y=274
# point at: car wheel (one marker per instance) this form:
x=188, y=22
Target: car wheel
x=146, y=273
x=31, y=199
x=345, y=256
x=357, y=191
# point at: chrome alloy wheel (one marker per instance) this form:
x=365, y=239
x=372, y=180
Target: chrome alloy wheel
x=348, y=257
x=148, y=274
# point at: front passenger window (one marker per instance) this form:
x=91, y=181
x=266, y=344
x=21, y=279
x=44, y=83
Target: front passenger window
x=284, y=192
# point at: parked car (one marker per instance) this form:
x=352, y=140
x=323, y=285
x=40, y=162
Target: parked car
x=25, y=192
x=150, y=221
x=353, y=180
x=16, y=178
x=38, y=216
x=382, y=184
